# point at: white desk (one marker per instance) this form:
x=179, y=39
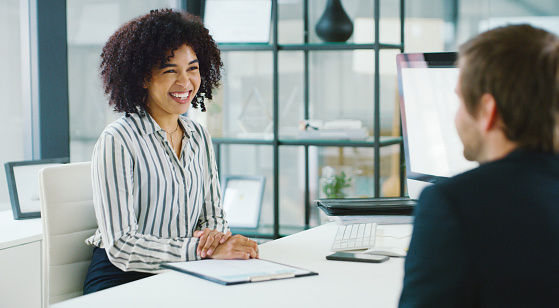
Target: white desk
x=20, y=261
x=339, y=283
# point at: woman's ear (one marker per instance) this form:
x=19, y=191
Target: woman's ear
x=146, y=82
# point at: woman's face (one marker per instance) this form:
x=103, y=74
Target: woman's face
x=173, y=85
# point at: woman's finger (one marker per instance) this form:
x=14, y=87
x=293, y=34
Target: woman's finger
x=225, y=237
x=202, y=240
x=253, y=250
x=211, y=243
x=249, y=247
x=201, y=243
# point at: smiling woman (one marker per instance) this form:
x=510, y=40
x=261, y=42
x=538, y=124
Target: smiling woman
x=146, y=44
x=171, y=86
x=170, y=89
x=155, y=182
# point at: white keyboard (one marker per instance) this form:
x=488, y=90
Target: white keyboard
x=355, y=236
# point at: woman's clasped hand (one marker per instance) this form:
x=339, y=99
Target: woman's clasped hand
x=217, y=245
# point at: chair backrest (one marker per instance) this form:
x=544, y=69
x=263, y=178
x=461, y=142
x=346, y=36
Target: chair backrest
x=68, y=219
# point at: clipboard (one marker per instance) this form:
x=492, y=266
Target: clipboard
x=231, y=272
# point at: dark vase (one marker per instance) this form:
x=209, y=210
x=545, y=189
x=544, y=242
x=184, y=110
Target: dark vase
x=334, y=25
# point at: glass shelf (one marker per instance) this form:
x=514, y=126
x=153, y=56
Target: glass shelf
x=367, y=142
x=337, y=46
x=245, y=46
x=310, y=46
x=245, y=138
x=293, y=140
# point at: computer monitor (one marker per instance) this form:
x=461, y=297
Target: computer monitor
x=428, y=104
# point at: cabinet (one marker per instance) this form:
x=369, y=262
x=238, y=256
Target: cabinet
x=20, y=270
x=20, y=262
x=269, y=88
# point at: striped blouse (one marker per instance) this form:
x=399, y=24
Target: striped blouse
x=148, y=201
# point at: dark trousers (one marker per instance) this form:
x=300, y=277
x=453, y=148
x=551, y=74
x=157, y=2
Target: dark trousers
x=102, y=274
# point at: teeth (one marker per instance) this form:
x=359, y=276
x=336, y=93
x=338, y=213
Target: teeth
x=180, y=95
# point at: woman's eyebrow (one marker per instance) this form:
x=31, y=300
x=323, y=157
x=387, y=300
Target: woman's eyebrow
x=166, y=65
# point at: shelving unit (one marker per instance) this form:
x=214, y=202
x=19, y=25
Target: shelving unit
x=276, y=140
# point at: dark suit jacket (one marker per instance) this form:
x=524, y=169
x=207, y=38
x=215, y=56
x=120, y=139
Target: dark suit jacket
x=488, y=237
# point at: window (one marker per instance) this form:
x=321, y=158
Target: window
x=12, y=134
x=438, y=25
x=90, y=24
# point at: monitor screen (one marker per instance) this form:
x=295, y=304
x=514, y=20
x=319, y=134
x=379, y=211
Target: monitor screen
x=428, y=105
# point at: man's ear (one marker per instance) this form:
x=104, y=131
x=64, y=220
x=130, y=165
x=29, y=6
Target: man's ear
x=488, y=115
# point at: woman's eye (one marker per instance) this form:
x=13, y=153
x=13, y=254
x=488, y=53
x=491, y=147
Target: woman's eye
x=168, y=71
x=192, y=68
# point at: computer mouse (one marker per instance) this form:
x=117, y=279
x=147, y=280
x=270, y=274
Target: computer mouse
x=386, y=251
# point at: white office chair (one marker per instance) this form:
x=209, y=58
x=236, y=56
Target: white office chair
x=68, y=219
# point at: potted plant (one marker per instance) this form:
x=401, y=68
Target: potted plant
x=333, y=183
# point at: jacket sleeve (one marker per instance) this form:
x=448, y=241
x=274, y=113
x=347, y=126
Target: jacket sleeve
x=436, y=267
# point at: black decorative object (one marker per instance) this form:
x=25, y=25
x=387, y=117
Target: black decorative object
x=334, y=25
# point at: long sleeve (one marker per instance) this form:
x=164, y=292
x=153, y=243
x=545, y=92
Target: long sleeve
x=436, y=272
x=128, y=248
x=212, y=216
x=148, y=200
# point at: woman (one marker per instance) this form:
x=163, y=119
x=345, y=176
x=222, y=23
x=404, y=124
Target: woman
x=155, y=182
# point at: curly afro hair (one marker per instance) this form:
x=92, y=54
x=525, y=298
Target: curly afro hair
x=140, y=44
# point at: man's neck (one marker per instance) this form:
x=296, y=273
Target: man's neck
x=497, y=147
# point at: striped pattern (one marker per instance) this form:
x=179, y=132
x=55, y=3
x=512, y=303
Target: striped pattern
x=148, y=202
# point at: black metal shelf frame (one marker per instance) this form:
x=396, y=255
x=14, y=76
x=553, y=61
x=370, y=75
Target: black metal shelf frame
x=376, y=142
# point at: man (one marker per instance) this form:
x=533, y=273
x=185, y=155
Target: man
x=490, y=237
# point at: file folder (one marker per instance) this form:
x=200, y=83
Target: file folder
x=367, y=206
x=231, y=272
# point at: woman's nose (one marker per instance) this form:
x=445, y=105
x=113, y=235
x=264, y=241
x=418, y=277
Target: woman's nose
x=182, y=79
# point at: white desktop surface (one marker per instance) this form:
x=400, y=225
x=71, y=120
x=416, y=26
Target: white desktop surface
x=338, y=284
x=17, y=232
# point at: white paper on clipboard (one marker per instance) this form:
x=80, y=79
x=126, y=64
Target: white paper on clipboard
x=238, y=271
